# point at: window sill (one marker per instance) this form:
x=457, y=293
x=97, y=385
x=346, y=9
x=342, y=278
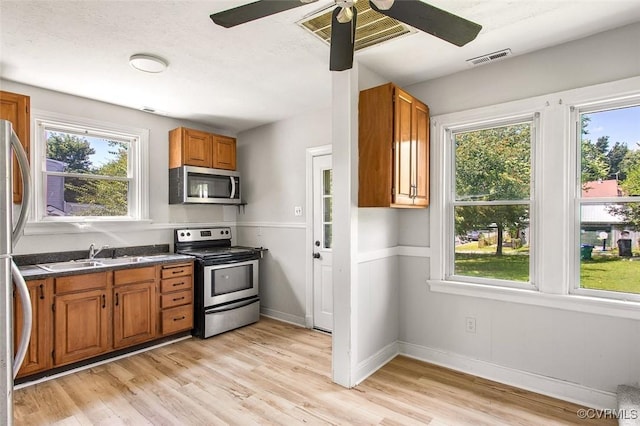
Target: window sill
x=570, y=302
x=83, y=226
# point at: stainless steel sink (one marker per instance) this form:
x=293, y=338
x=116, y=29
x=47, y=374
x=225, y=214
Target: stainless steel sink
x=70, y=266
x=123, y=260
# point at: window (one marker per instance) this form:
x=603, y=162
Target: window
x=609, y=199
x=89, y=171
x=491, y=203
x=557, y=178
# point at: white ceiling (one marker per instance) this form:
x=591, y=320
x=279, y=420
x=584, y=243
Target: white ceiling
x=259, y=72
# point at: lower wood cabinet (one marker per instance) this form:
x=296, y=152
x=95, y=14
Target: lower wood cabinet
x=81, y=320
x=38, y=356
x=176, y=298
x=78, y=317
x=134, y=314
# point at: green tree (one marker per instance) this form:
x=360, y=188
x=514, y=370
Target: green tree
x=594, y=163
x=104, y=197
x=493, y=165
x=615, y=157
x=72, y=150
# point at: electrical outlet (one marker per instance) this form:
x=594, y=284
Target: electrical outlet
x=470, y=325
x=297, y=210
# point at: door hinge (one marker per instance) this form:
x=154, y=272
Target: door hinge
x=53, y=307
x=53, y=354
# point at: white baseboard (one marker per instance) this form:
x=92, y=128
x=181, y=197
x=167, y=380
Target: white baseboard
x=376, y=361
x=282, y=316
x=549, y=386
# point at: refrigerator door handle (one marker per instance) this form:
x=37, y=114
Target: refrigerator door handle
x=23, y=161
x=25, y=335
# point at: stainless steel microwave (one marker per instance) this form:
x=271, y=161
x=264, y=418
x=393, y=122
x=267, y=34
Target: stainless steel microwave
x=201, y=185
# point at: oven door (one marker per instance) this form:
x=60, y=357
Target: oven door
x=228, y=282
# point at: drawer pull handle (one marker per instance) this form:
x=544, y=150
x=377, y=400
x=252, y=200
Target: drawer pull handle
x=41, y=291
x=178, y=298
x=179, y=318
x=179, y=271
x=177, y=284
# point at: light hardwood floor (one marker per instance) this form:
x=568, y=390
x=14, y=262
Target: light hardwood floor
x=275, y=373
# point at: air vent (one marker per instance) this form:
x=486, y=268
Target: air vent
x=491, y=57
x=371, y=27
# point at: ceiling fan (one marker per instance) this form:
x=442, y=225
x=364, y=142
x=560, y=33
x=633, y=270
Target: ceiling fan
x=422, y=16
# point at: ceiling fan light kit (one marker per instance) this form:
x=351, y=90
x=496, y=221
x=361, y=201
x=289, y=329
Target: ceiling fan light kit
x=415, y=13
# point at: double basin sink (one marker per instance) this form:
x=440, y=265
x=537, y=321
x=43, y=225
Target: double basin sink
x=74, y=265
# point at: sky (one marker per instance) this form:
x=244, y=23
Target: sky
x=621, y=125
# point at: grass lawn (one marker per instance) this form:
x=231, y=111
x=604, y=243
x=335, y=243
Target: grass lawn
x=603, y=272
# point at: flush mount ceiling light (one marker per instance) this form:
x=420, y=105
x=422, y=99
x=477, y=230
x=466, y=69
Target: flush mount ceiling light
x=148, y=63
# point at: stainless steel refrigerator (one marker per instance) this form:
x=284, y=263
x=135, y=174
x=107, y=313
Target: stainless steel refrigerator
x=9, y=273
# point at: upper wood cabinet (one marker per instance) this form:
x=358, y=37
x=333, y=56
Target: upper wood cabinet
x=393, y=146
x=16, y=108
x=189, y=147
x=224, y=152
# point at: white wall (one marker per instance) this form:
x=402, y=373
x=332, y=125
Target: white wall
x=272, y=161
x=163, y=216
x=575, y=355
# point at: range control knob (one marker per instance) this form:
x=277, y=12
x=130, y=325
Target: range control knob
x=226, y=232
x=182, y=234
x=221, y=232
x=188, y=234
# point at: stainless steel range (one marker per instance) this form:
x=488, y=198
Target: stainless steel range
x=226, y=280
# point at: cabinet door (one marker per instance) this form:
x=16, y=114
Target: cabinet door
x=81, y=325
x=421, y=156
x=224, y=152
x=197, y=148
x=134, y=314
x=38, y=356
x=15, y=108
x=403, y=182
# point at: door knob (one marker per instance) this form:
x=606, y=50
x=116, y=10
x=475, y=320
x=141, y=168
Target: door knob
x=316, y=255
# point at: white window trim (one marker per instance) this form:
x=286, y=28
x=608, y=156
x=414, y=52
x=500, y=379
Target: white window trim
x=555, y=209
x=450, y=194
x=576, y=111
x=39, y=222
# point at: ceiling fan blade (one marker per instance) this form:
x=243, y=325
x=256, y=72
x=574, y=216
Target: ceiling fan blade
x=431, y=20
x=252, y=11
x=343, y=38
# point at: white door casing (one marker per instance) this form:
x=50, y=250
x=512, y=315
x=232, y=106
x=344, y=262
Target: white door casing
x=322, y=243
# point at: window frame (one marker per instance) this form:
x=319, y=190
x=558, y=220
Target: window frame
x=575, y=135
x=452, y=203
x=138, y=173
x=554, y=204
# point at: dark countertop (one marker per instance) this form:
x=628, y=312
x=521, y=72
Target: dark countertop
x=154, y=255
x=34, y=272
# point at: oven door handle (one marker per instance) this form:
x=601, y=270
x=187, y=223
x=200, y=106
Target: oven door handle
x=231, y=306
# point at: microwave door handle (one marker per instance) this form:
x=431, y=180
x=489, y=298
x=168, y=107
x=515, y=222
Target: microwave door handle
x=233, y=187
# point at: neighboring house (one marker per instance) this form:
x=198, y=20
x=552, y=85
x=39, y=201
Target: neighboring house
x=55, y=189
x=597, y=218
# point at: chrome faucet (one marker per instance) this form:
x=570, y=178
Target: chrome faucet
x=93, y=252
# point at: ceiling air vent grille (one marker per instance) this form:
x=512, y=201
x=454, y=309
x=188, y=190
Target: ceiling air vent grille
x=491, y=57
x=371, y=27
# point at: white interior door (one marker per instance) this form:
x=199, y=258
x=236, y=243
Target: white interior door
x=322, y=243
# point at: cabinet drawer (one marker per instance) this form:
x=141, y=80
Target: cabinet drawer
x=80, y=282
x=177, y=319
x=175, y=284
x=178, y=298
x=180, y=270
x=128, y=276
